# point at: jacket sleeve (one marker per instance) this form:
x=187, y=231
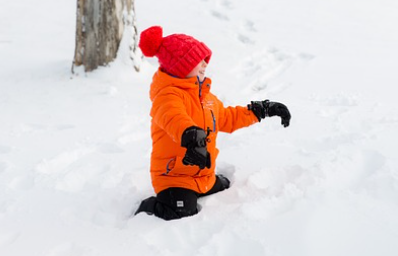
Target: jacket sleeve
x=169, y=113
x=234, y=118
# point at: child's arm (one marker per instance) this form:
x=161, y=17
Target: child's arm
x=233, y=118
x=169, y=113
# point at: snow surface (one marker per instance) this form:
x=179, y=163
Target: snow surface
x=74, y=149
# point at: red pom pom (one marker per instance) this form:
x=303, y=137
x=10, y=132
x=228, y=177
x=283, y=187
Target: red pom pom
x=150, y=40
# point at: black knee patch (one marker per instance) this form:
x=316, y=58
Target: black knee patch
x=182, y=201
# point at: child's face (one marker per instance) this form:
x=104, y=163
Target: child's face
x=199, y=71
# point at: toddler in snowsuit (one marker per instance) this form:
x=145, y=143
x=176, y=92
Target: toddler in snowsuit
x=186, y=118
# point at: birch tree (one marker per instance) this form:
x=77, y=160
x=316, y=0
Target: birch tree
x=99, y=29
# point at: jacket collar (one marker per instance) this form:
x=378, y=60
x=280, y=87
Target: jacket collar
x=162, y=80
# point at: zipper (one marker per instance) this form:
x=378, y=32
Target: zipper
x=214, y=120
x=207, y=129
x=200, y=96
x=200, y=87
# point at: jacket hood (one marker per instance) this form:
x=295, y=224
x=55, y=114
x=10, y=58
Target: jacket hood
x=161, y=80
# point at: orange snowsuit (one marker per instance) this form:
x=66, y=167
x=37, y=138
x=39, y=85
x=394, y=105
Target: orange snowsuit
x=176, y=105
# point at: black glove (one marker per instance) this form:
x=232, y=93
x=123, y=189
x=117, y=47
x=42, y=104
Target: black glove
x=194, y=139
x=266, y=108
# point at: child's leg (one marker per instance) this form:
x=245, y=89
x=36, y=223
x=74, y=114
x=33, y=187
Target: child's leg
x=172, y=203
x=221, y=183
x=175, y=203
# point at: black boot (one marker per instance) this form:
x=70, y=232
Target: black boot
x=148, y=205
x=224, y=181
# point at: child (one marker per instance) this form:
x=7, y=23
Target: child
x=186, y=118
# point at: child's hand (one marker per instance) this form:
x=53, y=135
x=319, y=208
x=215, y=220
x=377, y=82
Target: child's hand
x=266, y=108
x=194, y=139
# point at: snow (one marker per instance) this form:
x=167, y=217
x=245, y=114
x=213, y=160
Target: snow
x=75, y=149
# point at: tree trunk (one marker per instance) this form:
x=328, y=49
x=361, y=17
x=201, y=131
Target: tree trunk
x=135, y=54
x=99, y=30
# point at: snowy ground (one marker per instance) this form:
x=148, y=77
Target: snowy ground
x=74, y=150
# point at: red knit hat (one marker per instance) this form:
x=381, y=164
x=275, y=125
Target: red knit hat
x=178, y=54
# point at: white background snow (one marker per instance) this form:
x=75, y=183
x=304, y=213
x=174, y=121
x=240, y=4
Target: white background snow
x=75, y=149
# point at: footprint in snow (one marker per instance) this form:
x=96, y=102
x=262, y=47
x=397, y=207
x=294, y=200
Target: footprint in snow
x=219, y=16
x=267, y=65
x=227, y=4
x=245, y=39
x=248, y=25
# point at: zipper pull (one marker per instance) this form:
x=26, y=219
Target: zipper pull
x=208, y=140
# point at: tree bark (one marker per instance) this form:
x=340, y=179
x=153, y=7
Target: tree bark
x=135, y=54
x=99, y=30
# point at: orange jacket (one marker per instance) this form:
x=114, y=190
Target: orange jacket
x=176, y=105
